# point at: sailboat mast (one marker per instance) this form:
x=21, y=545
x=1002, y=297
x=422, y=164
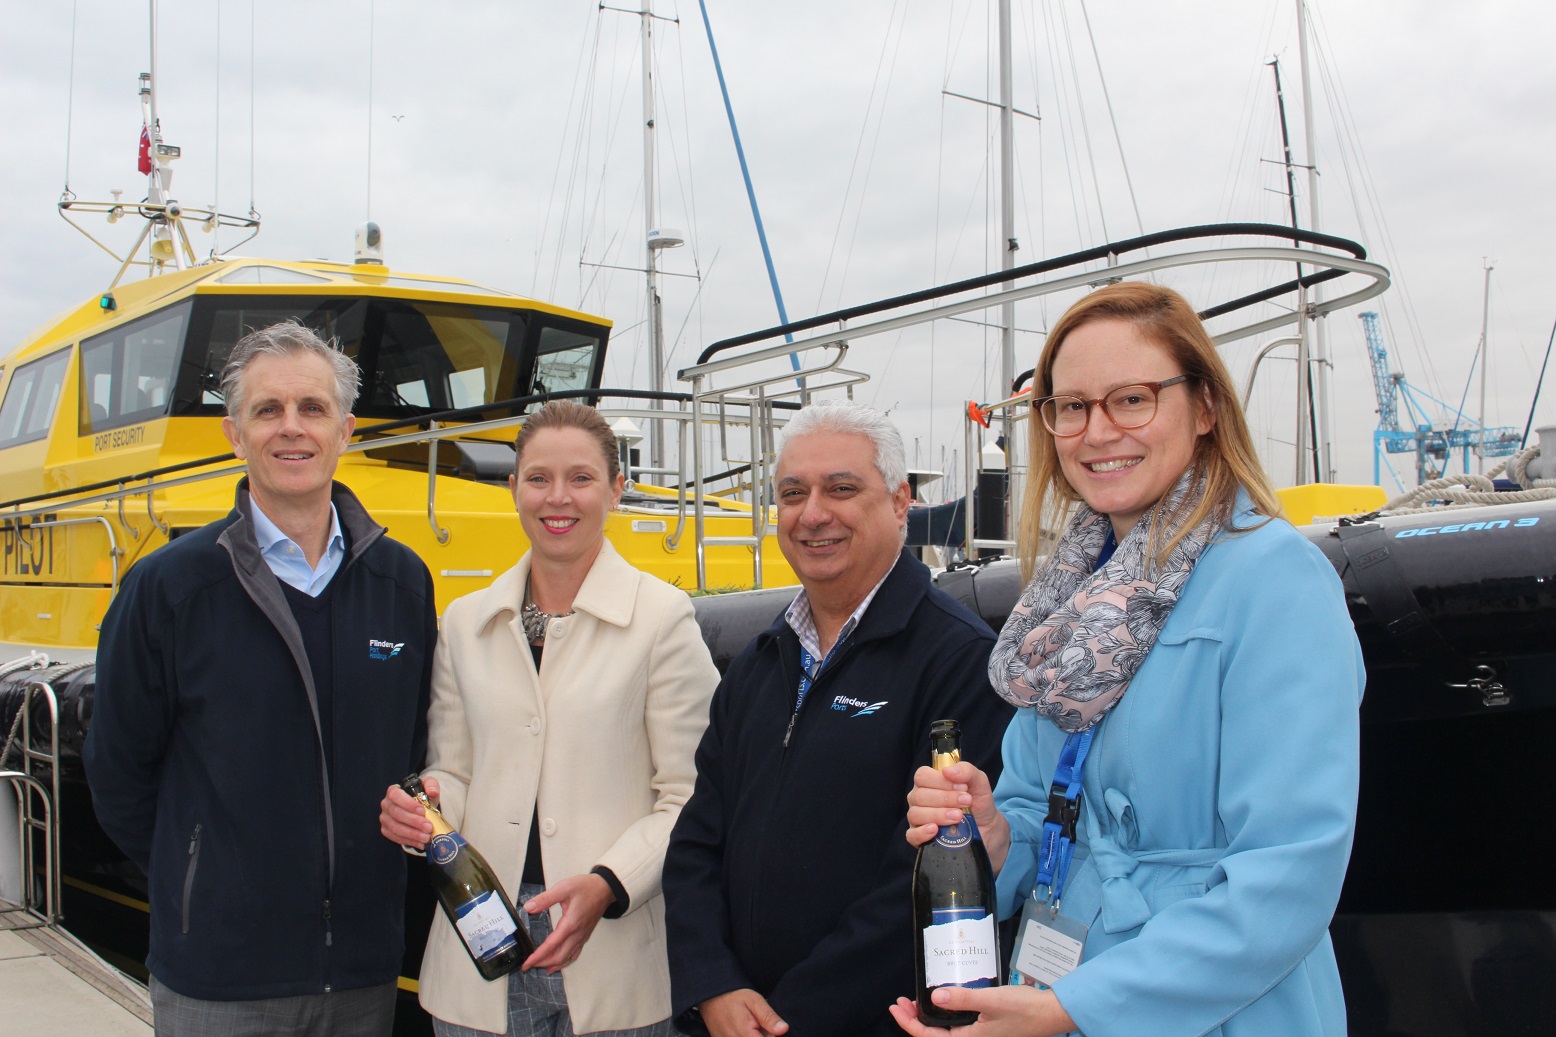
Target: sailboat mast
x=1007, y=213
x=655, y=316
x=1305, y=410
x=1485, y=313
x=1320, y=367
x=150, y=91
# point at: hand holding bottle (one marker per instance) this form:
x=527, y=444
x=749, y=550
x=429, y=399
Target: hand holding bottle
x=584, y=899
x=1016, y=1011
x=939, y=797
x=401, y=818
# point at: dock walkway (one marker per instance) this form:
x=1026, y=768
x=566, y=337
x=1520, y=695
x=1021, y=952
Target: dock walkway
x=53, y=986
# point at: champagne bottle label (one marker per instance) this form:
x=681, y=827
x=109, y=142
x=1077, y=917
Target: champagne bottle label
x=960, y=948
x=445, y=847
x=486, y=926
x=953, y=837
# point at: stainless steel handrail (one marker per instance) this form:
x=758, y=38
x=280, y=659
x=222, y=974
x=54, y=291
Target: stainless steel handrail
x=28, y=817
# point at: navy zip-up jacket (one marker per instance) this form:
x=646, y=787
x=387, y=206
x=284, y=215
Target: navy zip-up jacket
x=267, y=873
x=788, y=871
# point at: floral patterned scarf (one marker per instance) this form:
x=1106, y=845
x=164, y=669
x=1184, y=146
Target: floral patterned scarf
x=1075, y=639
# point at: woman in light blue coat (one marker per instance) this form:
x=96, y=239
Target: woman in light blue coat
x=1212, y=806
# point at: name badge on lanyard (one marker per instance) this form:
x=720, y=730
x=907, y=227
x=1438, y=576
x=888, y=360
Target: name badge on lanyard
x=1050, y=944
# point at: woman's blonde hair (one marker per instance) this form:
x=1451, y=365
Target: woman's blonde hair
x=1224, y=456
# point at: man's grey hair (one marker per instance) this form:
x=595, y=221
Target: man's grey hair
x=288, y=338
x=859, y=419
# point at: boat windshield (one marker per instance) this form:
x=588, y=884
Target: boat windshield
x=416, y=357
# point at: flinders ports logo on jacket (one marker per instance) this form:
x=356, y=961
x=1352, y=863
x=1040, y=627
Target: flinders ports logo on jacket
x=844, y=703
x=383, y=649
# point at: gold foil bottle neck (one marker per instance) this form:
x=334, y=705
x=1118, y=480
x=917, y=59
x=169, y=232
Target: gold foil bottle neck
x=440, y=825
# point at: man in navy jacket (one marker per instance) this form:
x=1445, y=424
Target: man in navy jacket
x=787, y=881
x=259, y=682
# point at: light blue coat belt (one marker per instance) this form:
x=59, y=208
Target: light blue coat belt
x=1124, y=906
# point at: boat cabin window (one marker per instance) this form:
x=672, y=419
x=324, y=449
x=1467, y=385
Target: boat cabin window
x=417, y=357
x=437, y=356
x=217, y=324
x=565, y=360
x=31, y=398
x=127, y=373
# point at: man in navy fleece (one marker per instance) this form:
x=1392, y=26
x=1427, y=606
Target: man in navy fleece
x=259, y=682
x=787, y=882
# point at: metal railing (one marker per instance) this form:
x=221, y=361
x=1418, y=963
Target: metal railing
x=751, y=398
x=37, y=804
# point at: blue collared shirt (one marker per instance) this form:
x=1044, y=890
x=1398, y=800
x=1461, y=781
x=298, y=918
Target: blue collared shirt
x=289, y=562
x=802, y=620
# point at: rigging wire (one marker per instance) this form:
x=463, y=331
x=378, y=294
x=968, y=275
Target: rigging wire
x=689, y=203
x=556, y=175
x=1027, y=209
x=1085, y=126
x=955, y=33
x=1040, y=235
x=873, y=150
x=1118, y=139
x=583, y=80
x=853, y=169
x=892, y=352
x=592, y=206
x=1345, y=122
x=1537, y=383
x=1080, y=128
x=1244, y=196
x=1079, y=208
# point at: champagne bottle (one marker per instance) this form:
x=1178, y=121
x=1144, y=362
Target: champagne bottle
x=472, y=898
x=953, y=902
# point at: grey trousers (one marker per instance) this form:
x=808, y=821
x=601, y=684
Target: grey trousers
x=537, y=1003
x=367, y=1012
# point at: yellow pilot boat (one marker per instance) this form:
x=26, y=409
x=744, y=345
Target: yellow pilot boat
x=111, y=442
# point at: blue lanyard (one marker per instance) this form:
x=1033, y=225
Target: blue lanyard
x=1064, y=810
x=806, y=662
x=1064, y=794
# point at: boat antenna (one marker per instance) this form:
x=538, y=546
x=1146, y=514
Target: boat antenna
x=70, y=96
x=253, y=214
x=216, y=132
x=1538, y=382
x=372, y=12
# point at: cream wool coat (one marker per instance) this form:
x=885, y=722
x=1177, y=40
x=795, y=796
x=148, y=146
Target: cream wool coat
x=602, y=743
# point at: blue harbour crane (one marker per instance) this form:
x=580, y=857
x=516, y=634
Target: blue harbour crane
x=1432, y=442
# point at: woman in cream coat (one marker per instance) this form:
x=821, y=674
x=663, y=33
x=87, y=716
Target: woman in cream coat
x=595, y=745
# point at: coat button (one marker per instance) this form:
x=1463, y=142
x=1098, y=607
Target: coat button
x=557, y=628
x=548, y=827
x=533, y=726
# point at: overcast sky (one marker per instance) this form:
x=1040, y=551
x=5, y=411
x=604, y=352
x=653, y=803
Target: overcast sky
x=506, y=148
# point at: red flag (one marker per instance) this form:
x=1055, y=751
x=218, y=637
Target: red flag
x=145, y=149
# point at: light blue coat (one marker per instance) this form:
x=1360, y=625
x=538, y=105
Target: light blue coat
x=1220, y=800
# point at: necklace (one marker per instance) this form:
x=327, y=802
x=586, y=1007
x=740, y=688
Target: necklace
x=535, y=621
